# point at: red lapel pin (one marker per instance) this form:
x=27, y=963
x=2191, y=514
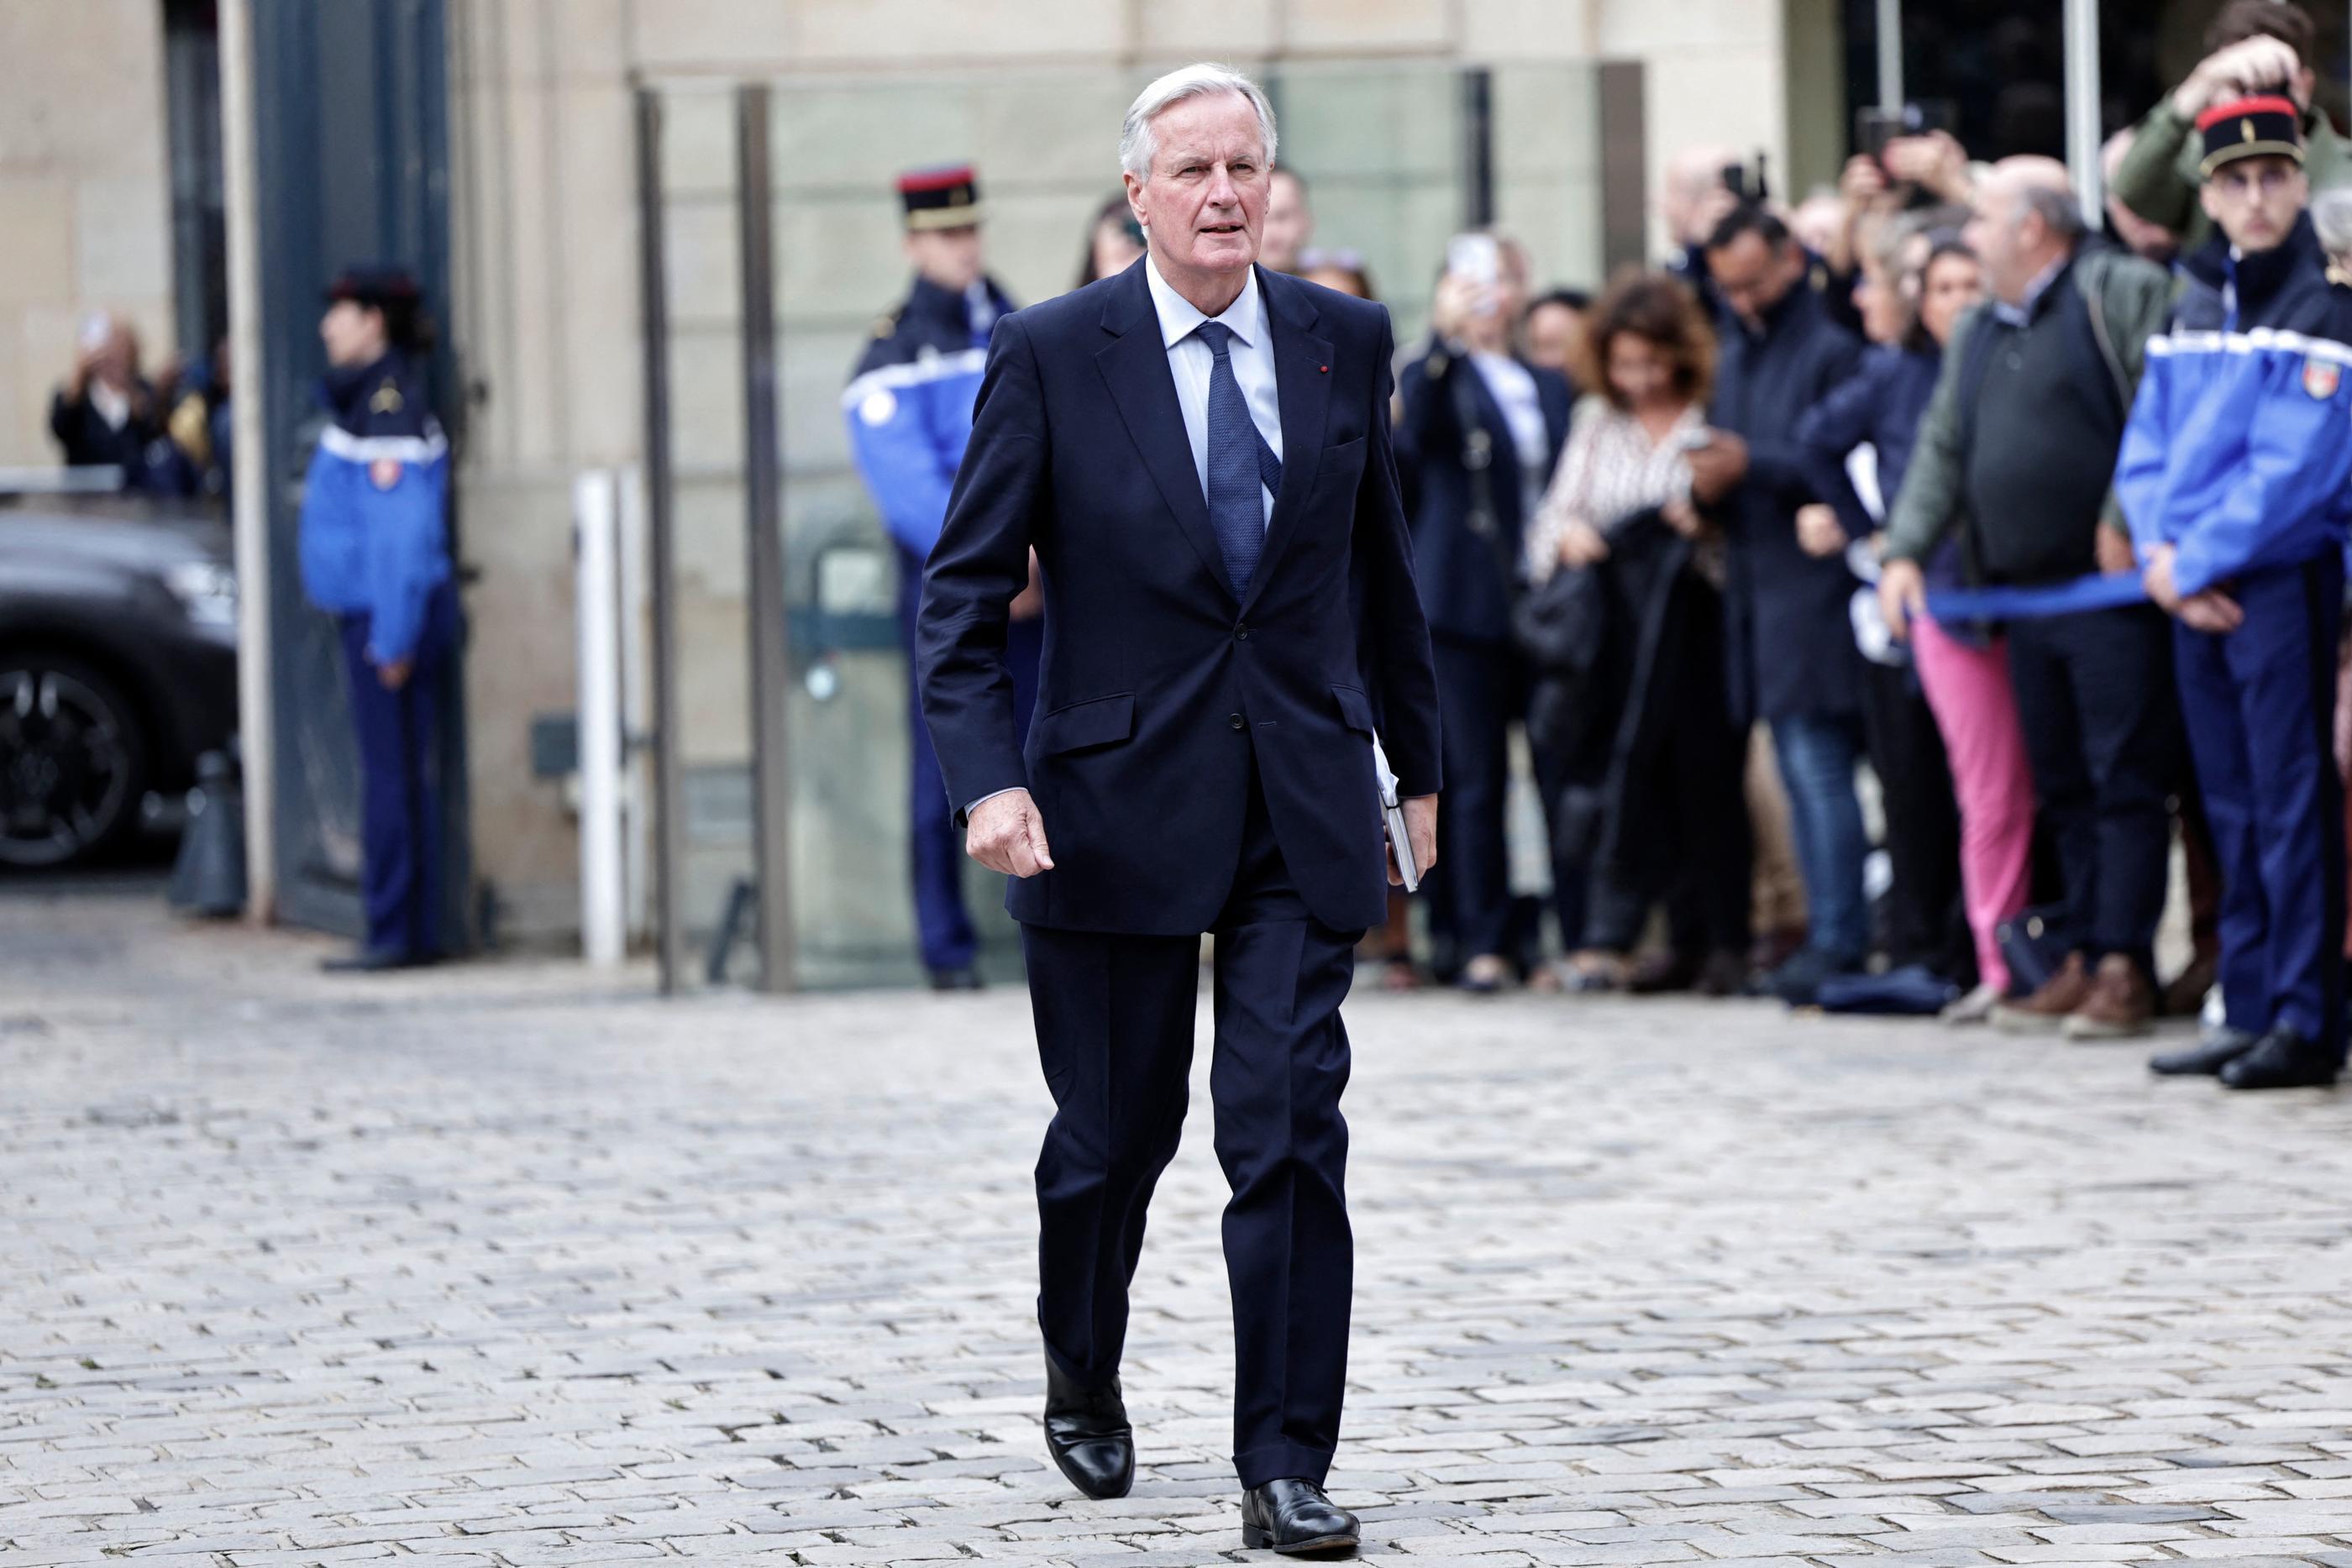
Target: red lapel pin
x=1325, y=368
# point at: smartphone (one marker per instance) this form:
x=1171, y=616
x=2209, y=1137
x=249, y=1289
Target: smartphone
x=1747, y=185
x=1874, y=127
x=95, y=329
x=1474, y=256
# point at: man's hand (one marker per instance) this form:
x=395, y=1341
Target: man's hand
x=1029, y=602
x=2157, y=580
x=393, y=674
x=2114, y=550
x=1005, y=833
x=2212, y=611
x=1935, y=162
x=1902, y=596
x=1818, y=532
x=1718, y=465
x=2247, y=66
x=1682, y=517
x=1421, y=830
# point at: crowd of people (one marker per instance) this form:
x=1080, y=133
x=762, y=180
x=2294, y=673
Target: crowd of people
x=2040, y=522
x=1870, y=596
x=168, y=434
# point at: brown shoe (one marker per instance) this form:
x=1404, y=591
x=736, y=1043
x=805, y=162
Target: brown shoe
x=2047, y=1010
x=2122, y=1003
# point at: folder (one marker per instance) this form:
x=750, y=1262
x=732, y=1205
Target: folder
x=1393, y=810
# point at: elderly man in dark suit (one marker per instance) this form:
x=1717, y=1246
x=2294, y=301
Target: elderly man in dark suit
x=1197, y=450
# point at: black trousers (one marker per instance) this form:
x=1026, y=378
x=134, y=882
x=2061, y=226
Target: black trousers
x=2095, y=696
x=1927, y=923
x=1115, y=1033
x=1481, y=689
x=1686, y=837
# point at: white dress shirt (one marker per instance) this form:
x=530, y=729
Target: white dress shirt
x=1190, y=362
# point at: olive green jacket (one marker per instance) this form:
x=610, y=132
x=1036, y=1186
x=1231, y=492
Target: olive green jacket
x=2130, y=301
x=2159, y=178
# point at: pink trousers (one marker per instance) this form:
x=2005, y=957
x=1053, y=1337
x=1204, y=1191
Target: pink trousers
x=1975, y=707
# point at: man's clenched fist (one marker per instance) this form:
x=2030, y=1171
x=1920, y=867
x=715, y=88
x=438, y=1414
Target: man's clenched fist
x=1005, y=833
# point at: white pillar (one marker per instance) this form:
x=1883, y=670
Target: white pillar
x=2083, y=108
x=1890, y=55
x=597, y=528
x=250, y=480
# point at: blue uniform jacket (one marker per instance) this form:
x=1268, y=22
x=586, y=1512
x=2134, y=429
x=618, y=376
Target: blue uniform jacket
x=1791, y=644
x=2239, y=452
x=1462, y=584
x=908, y=406
x=374, y=538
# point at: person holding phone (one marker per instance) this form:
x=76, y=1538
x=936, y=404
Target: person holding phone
x=1479, y=430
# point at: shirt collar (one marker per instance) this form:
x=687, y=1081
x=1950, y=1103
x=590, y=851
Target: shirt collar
x=2018, y=315
x=1179, y=316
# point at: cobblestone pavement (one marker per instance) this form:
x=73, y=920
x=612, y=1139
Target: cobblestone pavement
x=499, y=1265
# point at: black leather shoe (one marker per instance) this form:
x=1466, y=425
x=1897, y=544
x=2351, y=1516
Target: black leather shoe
x=1296, y=1519
x=2282, y=1059
x=1087, y=1434
x=2216, y=1051
x=956, y=981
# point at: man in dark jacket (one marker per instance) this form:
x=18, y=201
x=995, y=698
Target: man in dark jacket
x=1793, y=647
x=1479, y=432
x=2020, y=441
x=2237, y=478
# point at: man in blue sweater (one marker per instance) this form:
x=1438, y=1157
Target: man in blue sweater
x=2236, y=476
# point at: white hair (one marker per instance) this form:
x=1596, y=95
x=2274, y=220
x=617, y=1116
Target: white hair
x=1135, y=143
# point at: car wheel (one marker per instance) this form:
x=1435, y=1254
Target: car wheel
x=73, y=760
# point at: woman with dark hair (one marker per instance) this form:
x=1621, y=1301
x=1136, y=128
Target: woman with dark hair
x=1945, y=740
x=1114, y=242
x=1641, y=757
x=374, y=551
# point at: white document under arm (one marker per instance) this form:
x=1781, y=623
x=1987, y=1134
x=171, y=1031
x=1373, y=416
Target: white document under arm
x=1392, y=809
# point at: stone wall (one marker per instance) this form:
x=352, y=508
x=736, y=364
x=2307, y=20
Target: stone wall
x=84, y=204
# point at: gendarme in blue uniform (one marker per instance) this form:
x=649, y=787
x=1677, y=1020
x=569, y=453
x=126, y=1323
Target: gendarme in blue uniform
x=375, y=556
x=908, y=408
x=2239, y=457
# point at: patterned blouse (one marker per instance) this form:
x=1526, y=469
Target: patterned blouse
x=1610, y=470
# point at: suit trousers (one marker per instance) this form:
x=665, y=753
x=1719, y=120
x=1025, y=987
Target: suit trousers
x=1114, y=1017
x=1482, y=689
x=2260, y=706
x=2094, y=694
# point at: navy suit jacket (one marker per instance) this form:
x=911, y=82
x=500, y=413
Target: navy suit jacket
x=1463, y=585
x=1159, y=685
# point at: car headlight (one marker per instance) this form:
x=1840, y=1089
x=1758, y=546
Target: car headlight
x=206, y=591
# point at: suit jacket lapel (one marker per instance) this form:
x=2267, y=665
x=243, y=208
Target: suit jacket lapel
x=1302, y=376
x=1134, y=366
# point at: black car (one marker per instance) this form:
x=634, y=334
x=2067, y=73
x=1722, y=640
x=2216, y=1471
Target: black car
x=118, y=664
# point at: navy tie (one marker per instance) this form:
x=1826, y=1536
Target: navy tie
x=1240, y=461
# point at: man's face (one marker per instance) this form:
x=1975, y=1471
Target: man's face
x=1998, y=235
x=947, y=258
x=1555, y=332
x=1203, y=208
x=1753, y=276
x=1289, y=224
x=2254, y=200
x=352, y=332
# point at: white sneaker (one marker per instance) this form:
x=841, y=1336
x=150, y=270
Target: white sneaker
x=1975, y=1008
